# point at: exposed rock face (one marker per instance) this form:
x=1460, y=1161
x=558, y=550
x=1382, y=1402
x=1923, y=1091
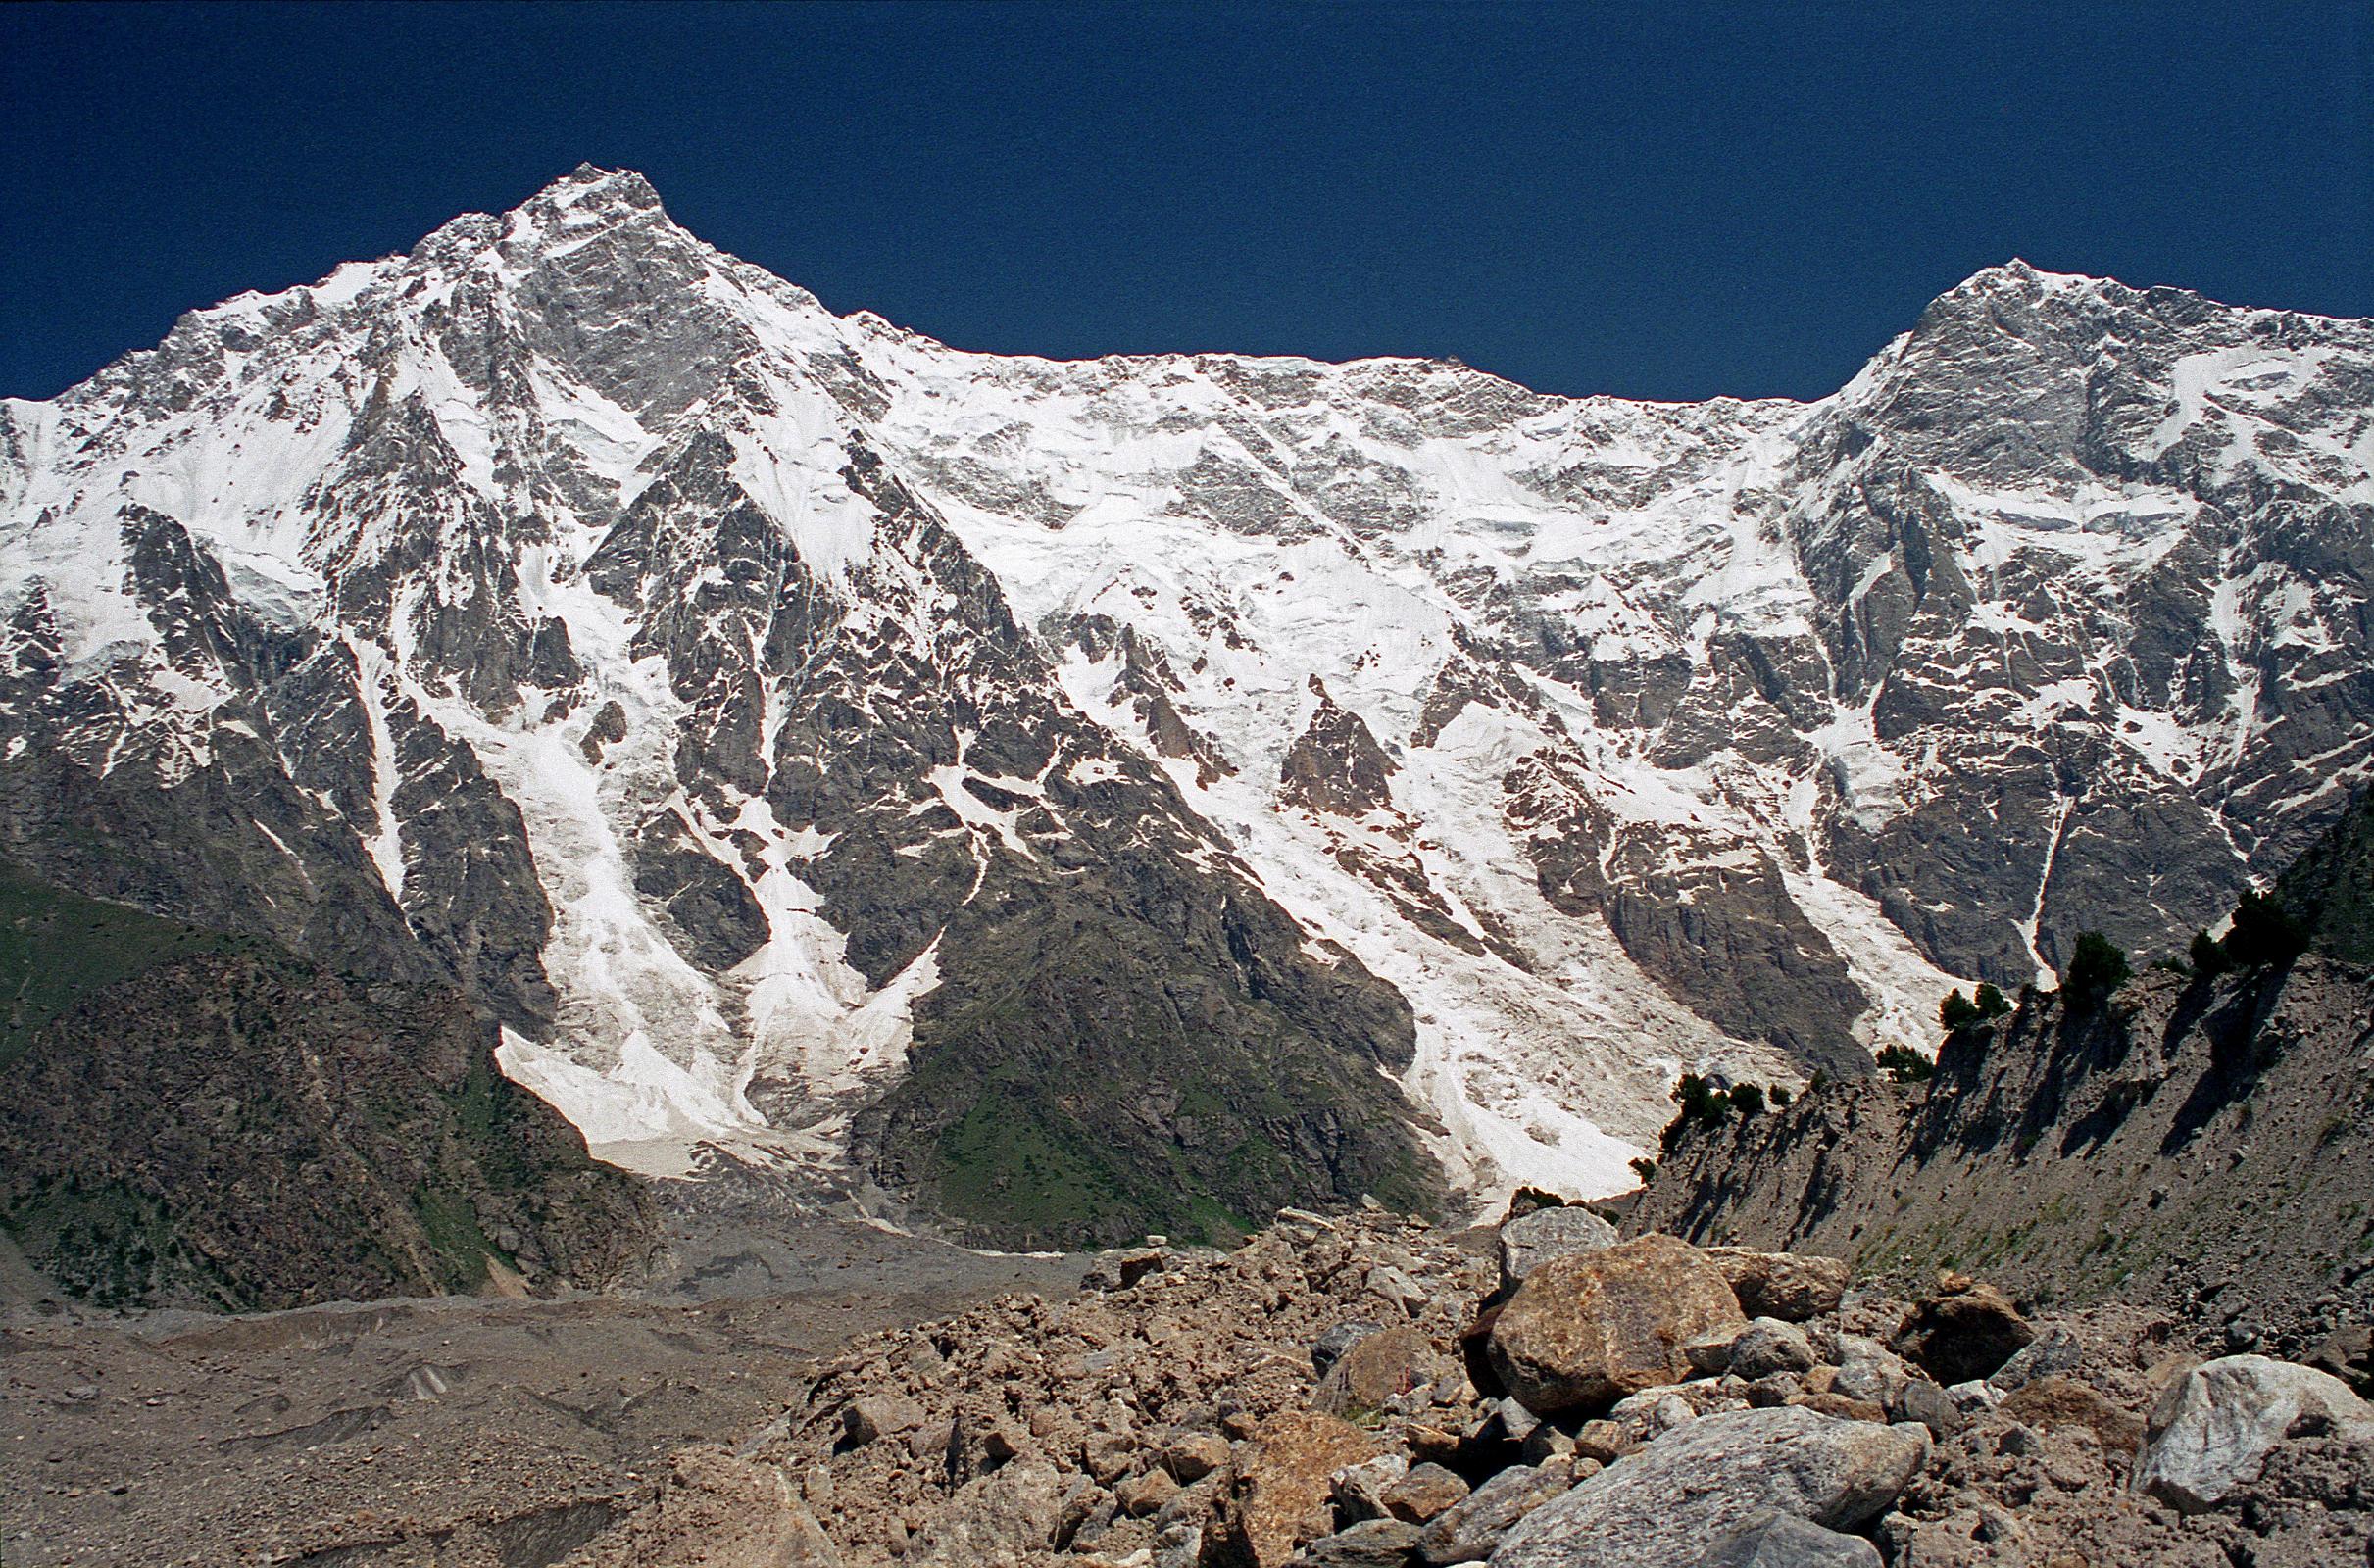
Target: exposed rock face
x=787, y=726
x=1666, y=1505
x=2211, y=1432
x=1591, y=1329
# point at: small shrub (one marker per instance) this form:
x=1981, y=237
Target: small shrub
x=1780, y=1096
x=1645, y=1168
x=1905, y=1065
x=2263, y=934
x=2208, y=959
x=2097, y=968
x=1957, y=1013
x=1747, y=1099
x=1990, y=1002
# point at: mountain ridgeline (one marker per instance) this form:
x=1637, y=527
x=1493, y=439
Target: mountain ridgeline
x=1064, y=799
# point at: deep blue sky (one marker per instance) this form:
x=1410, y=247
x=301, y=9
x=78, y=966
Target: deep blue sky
x=1663, y=200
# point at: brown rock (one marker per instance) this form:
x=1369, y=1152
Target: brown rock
x=1426, y=1491
x=2053, y=1402
x=1278, y=1498
x=1966, y=1330
x=1142, y=1494
x=874, y=1416
x=1790, y=1286
x=1192, y=1455
x=1377, y=1367
x=1604, y=1441
x=1590, y=1329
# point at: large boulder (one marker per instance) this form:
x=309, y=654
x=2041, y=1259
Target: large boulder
x=1591, y=1329
x=1793, y=1287
x=1528, y=1242
x=1276, y=1496
x=1778, y=1541
x=2211, y=1431
x=1964, y=1332
x=1667, y=1504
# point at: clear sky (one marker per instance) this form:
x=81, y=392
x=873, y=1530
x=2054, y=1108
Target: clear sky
x=1667, y=200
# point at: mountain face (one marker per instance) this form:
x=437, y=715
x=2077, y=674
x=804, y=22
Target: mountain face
x=1086, y=796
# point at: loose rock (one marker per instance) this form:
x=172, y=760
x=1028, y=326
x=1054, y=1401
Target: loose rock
x=1589, y=1329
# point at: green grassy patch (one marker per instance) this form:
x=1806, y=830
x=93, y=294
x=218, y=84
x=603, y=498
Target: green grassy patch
x=56, y=947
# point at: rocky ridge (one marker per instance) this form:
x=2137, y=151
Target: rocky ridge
x=783, y=723
x=2195, y=1141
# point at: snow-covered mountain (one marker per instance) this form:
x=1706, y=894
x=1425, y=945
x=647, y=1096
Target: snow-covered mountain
x=1078, y=794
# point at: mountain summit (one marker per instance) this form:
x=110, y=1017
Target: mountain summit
x=1086, y=797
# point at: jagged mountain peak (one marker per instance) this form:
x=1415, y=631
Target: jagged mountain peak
x=735, y=697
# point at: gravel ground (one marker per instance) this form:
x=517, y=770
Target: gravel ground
x=450, y=1431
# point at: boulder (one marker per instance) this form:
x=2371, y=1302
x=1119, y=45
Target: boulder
x=1192, y=1455
x=1964, y=1332
x=1924, y=1401
x=999, y=1521
x=1427, y=1493
x=1397, y=1290
x=2050, y=1404
x=1664, y=1505
x=1377, y=1367
x=2050, y=1353
x=2213, y=1428
x=1276, y=1498
x=1590, y=1328
x=1868, y=1370
x=2348, y=1353
x=1358, y=1490
x=1778, y=1540
x=874, y=1416
x=1471, y=1527
x=1533, y=1238
x=1793, y=1287
x=1710, y=1354
x=1372, y=1544
x=1767, y=1346
x=1146, y=1492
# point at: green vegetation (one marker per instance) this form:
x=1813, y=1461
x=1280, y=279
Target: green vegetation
x=2097, y=968
x=1959, y=1012
x=1704, y=1106
x=56, y=947
x=1905, y=1065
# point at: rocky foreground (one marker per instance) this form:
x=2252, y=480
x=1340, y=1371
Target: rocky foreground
x=1369, y=1392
